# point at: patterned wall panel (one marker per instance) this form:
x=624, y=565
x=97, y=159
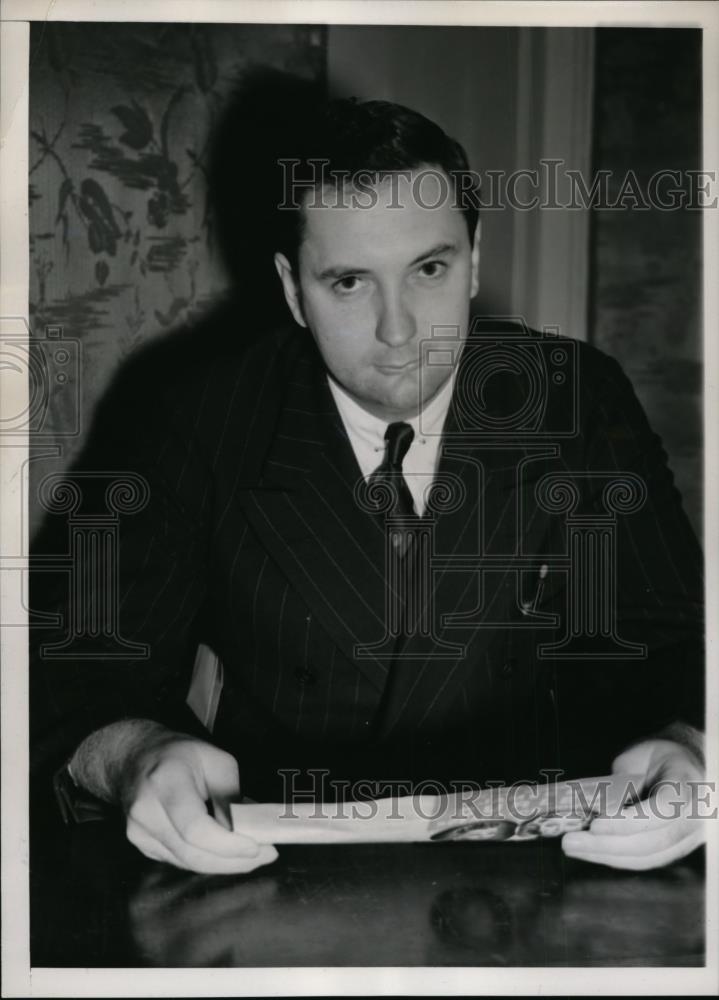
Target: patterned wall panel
x=121, y=229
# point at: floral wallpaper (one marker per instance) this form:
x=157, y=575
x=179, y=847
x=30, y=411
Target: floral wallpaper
x=122, y=242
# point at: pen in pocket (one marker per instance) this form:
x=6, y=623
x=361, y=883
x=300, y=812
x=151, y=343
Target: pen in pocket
x=530, y=607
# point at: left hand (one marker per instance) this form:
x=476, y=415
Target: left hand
x=657, y=830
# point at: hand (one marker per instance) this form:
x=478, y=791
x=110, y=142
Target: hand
x=656, y=830
x=164, y=799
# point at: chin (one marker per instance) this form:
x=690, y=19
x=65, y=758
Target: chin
x=395, y=403
x=403, y=407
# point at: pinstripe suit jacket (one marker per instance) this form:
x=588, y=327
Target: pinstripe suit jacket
x=254, y=543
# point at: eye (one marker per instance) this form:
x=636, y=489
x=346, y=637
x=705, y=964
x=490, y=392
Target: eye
x=346, y=285
x=433, y=269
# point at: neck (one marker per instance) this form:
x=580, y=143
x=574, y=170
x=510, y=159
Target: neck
x=388, y=414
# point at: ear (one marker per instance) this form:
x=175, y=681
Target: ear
x=290, y=287
x=475, y=258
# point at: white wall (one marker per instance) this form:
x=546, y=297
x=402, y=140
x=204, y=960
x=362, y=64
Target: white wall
x=510, y=96
x=465, y=80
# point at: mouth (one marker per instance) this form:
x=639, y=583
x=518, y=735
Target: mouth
x=408, y=366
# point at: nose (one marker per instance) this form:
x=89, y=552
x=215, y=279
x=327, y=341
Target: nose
x=396, y=323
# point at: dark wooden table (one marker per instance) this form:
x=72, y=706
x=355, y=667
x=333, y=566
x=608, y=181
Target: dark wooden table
x=96, y=902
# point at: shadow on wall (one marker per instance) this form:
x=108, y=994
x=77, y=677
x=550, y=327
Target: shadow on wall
x=262, y=125
x=123, y=242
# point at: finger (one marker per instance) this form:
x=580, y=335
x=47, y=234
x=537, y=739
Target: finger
x=201, y=861
x=151, y=830
x=642, y=842
x=624, y=826
x=197, y=828
x=650, y=849
x=643, y=862
x=668, y=802
x=633, y=819
x=185, y=808
x=634, y=760
x=222, y=775
x=242, y=854
x=148, y=845
x=221, y=812
x=222, y=778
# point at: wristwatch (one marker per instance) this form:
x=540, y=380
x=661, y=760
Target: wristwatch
x=75, y=804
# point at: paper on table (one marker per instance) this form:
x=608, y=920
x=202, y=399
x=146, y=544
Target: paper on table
x=510, y=813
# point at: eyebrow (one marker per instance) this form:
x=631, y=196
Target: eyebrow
x=340, y=271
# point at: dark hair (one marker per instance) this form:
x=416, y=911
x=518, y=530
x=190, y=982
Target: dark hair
x=273, y=116
x=375, y=138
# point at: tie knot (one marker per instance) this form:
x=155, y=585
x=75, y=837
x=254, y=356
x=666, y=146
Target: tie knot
x=399, y=437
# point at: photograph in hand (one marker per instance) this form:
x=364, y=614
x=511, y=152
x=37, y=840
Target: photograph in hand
x=508, y=813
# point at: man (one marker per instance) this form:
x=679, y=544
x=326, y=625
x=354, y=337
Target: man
x=260, y=539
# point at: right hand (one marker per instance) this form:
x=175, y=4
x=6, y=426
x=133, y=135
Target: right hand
x=164, y=798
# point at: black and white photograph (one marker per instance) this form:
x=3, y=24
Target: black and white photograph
x=359, y=406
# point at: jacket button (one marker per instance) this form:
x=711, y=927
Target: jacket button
x=508, y=666
x=305, y=677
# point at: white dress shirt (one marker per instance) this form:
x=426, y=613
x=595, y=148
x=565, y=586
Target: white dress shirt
x=366, y=434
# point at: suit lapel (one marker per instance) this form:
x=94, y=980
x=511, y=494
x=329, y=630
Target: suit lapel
x=486, y=521
x=304, y=509
x=302, y=504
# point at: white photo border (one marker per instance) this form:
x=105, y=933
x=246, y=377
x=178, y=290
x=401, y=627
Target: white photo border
x=18, y=978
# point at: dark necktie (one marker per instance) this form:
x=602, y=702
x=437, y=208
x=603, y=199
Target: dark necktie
x=389, y=476
x=401, y=522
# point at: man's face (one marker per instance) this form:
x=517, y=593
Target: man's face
x=372, y=284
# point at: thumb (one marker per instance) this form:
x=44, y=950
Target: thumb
x=222, y=783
